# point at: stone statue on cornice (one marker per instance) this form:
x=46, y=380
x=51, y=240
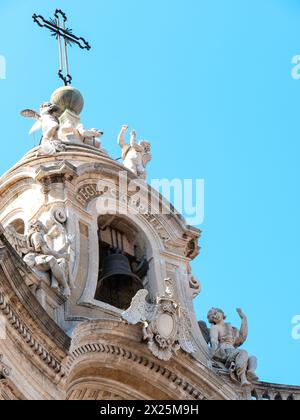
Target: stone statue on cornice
x=47, y=121
x=225, y=341
x=135, y=156
x=43, y=259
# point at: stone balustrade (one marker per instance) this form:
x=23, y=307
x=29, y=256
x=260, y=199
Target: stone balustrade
x=270, y=392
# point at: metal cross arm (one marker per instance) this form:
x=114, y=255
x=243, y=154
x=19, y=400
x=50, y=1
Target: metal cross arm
x=57, y=27
x=66, y=33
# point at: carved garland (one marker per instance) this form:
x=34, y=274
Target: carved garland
x=49, y=360
x=126, y=354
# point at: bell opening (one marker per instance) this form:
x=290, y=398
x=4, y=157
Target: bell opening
x=118, y=291
x=122, y=266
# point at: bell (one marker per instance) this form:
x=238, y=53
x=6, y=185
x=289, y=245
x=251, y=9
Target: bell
x=118, y=284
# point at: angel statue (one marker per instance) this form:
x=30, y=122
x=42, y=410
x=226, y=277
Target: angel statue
x=48, y=121
x=225, y=341
x=90, y=136
x=42, y=259
x=135, y=156
x=166, y=326
x=73, y=131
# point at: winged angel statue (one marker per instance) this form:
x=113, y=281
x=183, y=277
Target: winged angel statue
x=166, y=326
x=48, y=121
x=225, y=341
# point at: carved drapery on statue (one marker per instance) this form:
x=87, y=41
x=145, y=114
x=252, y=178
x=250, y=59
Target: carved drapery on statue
x=166, y=325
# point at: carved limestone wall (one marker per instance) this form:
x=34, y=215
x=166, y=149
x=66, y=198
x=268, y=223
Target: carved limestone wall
x=41, y=187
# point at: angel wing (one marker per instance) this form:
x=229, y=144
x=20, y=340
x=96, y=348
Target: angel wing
x=139, y=310
x=184, y=335
x=205, y=331
x=29, y=113
x=18, y=241
x=36, y=126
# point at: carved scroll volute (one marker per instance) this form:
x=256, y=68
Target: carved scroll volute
x=4, y=369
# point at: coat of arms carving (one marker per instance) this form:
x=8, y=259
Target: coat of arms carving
x=166, y=326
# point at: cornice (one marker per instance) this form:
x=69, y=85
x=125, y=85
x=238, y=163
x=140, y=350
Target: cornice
x=95, y=341
x=29, y=338
x=191, y=391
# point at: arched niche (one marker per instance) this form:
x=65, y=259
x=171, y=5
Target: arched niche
x=123, y=261
x=18, y=225
x=145, y=234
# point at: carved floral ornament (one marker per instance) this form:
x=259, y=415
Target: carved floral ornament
x=166, y=325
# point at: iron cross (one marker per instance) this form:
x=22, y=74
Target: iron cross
x=65, y=37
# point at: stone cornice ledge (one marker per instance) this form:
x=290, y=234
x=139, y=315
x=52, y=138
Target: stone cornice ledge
x=29, y=339
x=119, y=340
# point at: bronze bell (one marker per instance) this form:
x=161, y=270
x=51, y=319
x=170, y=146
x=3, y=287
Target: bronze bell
x=118, y=284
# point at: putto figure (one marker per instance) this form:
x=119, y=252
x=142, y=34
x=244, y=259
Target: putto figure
x=47, y=120
x=135, y=156
x=72, y=132
x=43, y=259
x=225, y=342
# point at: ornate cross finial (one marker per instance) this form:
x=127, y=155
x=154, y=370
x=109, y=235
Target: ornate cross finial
x=65, y=37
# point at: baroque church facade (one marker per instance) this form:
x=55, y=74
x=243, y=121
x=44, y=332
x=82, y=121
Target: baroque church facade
x=96, y=286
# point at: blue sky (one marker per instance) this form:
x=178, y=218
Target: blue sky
x=209, y=83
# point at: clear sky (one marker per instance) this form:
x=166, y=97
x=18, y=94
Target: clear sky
x=209, y=83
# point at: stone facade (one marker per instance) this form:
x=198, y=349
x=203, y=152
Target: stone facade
x=59, y=223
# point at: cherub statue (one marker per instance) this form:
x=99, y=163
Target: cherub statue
x=47, y=120
x=72, y=131
x=135, y=155
x=225, y=341
x=43, y=259
x=89, y=136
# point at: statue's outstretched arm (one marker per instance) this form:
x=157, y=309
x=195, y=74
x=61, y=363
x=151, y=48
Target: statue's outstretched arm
x=93, y=132
x=133, y=138
x=121, y=137
x=244, y=328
